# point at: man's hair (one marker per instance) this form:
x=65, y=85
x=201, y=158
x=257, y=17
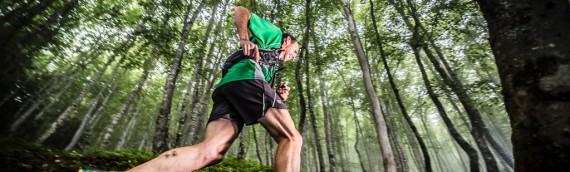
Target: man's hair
x=285, y=35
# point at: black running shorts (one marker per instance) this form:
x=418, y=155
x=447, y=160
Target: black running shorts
x=244, y=102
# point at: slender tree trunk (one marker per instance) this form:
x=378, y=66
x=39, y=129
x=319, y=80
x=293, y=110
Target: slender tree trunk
x=478, y=130
x=161, y=135
x=242, y=147
x=126, y=133
x=88, y=115
x=70, y=109
x=326, y=112
x=37, y=103
x=473, y=114
x=313, y=117
x=407, y=117
x=257, y=142
x=469, y=150
x=196, y=73
x=530, y=46
x=506, y=157
x=44, y=94
x=298, y=76
x=358, y=133
x=132, y=97
x=382, y=133
x=399, y=154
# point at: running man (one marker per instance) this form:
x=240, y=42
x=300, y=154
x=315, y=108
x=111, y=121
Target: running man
x=243, y=96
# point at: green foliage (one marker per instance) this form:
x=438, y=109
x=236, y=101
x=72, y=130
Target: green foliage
x=235, y=165
x=18, y=155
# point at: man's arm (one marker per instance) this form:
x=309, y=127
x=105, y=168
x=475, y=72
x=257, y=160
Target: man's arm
x=241, y=19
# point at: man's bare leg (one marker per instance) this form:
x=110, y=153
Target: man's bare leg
x=219, y=136
x=280, y=126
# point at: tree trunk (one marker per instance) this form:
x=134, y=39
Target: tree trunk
x=77, y=101
x=407, y=117
x=134, y=95
x=399, y=155
x=88, y=115
x=126, y=133
x=44, y=94
x=469, y=150
x=242, y=147
x=256, y=142
x=161, y=135
x=506, y=157
x=195, y=74
x=473, y=114
x=382, y=133
x=326, y=113
x=358, y=133
x=298, y=76
x=529, y=41
x=313, y=117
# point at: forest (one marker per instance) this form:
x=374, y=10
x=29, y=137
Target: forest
x=378, y=85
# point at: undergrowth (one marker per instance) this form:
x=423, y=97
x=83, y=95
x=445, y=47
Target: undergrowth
x=22, y=156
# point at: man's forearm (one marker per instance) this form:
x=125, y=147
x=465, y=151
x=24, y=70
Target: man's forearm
x=241, y=18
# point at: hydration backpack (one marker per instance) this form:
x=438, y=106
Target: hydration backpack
x=269, y=57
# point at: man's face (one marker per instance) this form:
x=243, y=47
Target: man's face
x=289, y=51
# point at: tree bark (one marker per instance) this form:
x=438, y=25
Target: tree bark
x=88, y=115
x=407, y=117
x=132, y=97
x=382, y=133
x=195, y=75
x=313, y=117
x=326, y=113
x=472, y=112
x=161, y=136
x=126, y=133
x=529, y=41
x=298, y=76
x=469, y=150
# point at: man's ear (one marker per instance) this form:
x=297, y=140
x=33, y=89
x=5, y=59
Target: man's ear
x=287, y=40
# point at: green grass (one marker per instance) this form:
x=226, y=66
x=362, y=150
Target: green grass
x=22, y=156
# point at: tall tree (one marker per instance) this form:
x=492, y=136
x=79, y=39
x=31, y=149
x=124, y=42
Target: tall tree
x=381, y=131
x=161, y=135
x=298, y=76
x=80, y=98
x=407, y=117
x=326, y=111
x=196, y=75
x=469, y=150
x=529, y=41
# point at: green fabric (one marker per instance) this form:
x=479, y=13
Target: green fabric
x=266, y=36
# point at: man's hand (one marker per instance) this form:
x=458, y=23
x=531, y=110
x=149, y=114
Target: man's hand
x=283, y=91
x=249, y=49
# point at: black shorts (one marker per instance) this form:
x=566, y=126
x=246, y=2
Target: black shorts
x=244, y=102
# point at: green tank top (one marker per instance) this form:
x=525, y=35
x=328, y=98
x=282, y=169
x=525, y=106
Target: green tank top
x=265, y=35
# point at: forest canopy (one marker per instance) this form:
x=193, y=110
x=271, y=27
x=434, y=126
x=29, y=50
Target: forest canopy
x=396, y=85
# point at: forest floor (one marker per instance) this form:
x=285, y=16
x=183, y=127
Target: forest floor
x=22, y=156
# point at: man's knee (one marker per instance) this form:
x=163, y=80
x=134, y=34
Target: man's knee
x=294, y=138
x=299, y=140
